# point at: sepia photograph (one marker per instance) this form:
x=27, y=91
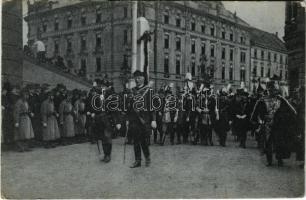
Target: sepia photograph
x=105, y=99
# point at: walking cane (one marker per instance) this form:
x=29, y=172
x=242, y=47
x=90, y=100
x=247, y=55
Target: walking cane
x=98, y=147
x=124, y=145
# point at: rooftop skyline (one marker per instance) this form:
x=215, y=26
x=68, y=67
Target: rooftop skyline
x=268, y=16
x=264, y=15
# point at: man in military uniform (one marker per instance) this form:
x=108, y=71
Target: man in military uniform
x=189, y=116
x=169, y=117
x=239, y=116
x=221, y=123
x=159, y=118
x=104, y=120
x=276, y=117
x=206, y=112
x=90, y=112
x=140, y=119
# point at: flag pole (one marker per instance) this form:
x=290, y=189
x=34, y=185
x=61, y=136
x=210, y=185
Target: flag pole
x=134, y=37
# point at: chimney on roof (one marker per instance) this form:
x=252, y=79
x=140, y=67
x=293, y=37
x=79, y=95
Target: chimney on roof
x=276, y=33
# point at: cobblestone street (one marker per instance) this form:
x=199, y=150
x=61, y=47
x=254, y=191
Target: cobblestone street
x=179, y=171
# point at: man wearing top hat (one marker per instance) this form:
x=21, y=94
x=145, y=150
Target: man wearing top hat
x=140, y=119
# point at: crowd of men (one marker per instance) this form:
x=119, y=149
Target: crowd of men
x=57, y=116
x=37, y=50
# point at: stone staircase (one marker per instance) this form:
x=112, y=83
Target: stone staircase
x=48, y=73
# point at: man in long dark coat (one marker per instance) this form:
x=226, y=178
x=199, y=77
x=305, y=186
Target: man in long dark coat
x=221, y=123
x=141, y=119
x=239, y=116
x=104, y=120
x=277, y=116
x=90, y=115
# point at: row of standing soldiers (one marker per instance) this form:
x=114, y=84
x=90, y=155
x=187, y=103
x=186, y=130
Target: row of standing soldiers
x=200, y=112
x=61, y=116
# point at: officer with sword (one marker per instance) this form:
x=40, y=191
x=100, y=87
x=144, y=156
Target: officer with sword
x=104, y=120
x=140, y=119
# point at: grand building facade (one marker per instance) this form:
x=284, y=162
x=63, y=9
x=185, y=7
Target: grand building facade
x=96, y=38
x=268, y=57
x=295, y=43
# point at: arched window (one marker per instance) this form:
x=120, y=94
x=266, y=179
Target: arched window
x=212, y=50
x=223, y=34
x=212, y=30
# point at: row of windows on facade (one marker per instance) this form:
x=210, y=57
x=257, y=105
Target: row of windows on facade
x=83, y=20
x=268, y=74
x=203, y=49
x=223, y=70
x=199, y=70
x=262, y=56
x=166, y=21
x=193, y=69
x=83, y=64
x=83, y=43
x=212, y=31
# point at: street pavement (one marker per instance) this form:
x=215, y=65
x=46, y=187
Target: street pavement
x=178, y=171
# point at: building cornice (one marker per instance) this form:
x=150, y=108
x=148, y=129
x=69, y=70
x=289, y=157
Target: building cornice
x=204, y=14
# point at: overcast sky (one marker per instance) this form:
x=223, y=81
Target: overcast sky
x=268, y=16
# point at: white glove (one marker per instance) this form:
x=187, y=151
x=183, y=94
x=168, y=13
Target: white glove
x=3, y=108
x=32, y=114
x=187, y=119
x=230, y=122
x=175, y=119
x=127, y=123
x=153, y=124
x=45, y=124
x=88, y=113
x=92, y=115
x=199, y=110
x=17, y=125
x=118, y=126
x=57, y=115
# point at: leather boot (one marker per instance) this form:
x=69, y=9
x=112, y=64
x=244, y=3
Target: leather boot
x=107, y=159
x=148, y=162
x=136, y=164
